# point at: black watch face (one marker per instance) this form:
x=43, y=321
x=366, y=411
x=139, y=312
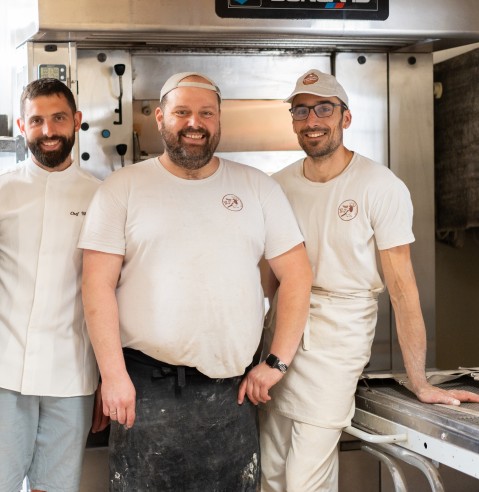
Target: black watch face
x=271, y=360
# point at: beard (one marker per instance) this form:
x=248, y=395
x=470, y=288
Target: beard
x=190, y=157
x=320, y=149
x=52, y=158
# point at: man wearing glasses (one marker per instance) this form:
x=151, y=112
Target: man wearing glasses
x=346, y=206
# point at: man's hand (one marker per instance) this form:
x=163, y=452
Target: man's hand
x=433, y=394
x=257, y=383
x=118, y=397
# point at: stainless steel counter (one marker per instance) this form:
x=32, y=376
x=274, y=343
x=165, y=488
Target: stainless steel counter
x=420, y=434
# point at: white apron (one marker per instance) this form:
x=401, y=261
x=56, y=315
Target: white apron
x=319, y=386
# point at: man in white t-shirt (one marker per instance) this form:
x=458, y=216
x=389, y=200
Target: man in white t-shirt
x=171, y=253
x=48, y=373
x=346, y=206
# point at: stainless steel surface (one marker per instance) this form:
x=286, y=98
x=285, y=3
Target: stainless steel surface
x=424, y=26
x=239, y=75
x=443, y=434
x=411, y=140
x=364, y=76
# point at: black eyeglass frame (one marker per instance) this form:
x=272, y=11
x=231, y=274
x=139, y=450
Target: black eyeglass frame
x=326, y=103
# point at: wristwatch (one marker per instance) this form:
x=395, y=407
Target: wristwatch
x=273, y=362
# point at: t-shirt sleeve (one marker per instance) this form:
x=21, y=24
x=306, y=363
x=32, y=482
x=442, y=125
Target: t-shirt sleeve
x=392, y=215
x=104, y=225
x=282, y=230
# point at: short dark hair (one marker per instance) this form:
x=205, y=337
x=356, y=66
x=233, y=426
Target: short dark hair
x=46, y=87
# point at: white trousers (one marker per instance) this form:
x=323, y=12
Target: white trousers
x=297, y=457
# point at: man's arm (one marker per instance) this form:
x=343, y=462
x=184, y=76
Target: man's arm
x=402, y=287
x=100, y=277
x=294, y=274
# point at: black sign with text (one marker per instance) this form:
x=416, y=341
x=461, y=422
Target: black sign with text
x=303, y=9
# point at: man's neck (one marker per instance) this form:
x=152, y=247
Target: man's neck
x=61, y=167
x=324, y=169
x=203, y=172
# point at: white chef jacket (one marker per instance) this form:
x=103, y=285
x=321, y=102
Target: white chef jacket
x=44, y=346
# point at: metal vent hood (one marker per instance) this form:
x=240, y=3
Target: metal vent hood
x=412, y=26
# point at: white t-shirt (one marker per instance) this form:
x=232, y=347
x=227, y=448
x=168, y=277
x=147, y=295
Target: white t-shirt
x=44, y=346
x=190, y=292
x=342, y=219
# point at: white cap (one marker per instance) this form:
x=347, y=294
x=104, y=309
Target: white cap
x=175, y=81
x=319, y=84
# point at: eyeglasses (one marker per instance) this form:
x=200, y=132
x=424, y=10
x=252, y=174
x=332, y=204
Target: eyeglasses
x=321, y=110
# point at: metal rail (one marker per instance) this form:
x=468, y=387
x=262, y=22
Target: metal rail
x=384, y=446
x=375, y=438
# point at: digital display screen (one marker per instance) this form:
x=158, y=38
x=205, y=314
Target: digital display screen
x=303, y=9
x=52, y=72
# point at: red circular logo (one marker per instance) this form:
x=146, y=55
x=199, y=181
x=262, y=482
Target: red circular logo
x=232, y=202
x=348, y=210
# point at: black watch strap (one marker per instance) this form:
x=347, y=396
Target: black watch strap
x=273, y=362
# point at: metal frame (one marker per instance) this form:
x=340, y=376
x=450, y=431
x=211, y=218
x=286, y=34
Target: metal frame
x=434, y=24
x=419, y=442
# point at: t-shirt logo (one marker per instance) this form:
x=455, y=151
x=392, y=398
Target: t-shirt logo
x=348, y=210
x=232, y=202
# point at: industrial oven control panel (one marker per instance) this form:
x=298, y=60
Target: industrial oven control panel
x=304, y=9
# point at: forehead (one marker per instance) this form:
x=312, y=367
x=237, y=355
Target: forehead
x=193, y=97
x=310, y=99
x=45, y=105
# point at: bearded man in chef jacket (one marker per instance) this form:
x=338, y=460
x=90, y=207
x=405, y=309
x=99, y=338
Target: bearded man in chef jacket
x=48, y=373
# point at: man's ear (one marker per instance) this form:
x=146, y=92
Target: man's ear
x=159, y=116
x=21, y=125
x=347, y=118
x=77, y=117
